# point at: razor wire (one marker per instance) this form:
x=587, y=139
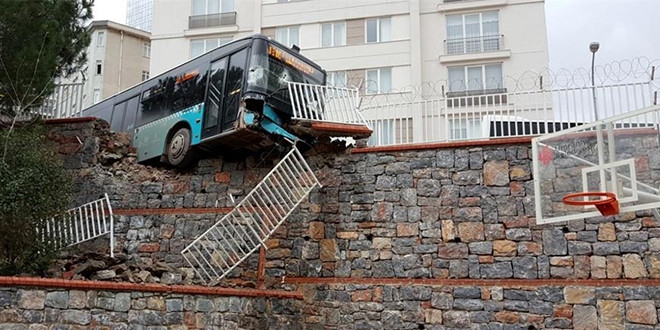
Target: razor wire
x=636, y=70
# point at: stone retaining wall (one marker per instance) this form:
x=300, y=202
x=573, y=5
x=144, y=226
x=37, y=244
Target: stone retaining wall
x=36, y=309
x=456, y=213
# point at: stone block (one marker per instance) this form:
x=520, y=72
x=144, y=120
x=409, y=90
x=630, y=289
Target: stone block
x=57, y=299
x=585, y=317
x=381, y=243
x=448, y=231
x=606, y=232
x=496, y=173
x=579, y=295
x=610, y=315
x=407, y=229
x=633, y=267
x=433, y=316
x=614, y=267
x=329, y=251
x=471, y=231
x=316, y=230
x=554, y=242
x=641, y=312
x=504, y=248
x=453, y=251
x=31, y=299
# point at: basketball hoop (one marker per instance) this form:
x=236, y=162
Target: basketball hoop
x=607, y=206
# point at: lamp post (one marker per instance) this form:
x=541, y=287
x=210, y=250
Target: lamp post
x=593, y=47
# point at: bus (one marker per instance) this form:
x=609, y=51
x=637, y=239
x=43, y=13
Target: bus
x=234, y=96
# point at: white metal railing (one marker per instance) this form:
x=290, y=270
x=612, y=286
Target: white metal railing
x=80, y=224
x=216, y=252
x=523, y=113
x=325, y=103
x=65, y=101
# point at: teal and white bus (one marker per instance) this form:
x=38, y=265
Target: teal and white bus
x=234, y=96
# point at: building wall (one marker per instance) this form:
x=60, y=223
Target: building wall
x=417, y=41
x=122, y=58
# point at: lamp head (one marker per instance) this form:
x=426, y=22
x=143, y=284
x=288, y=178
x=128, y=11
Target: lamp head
x=593, y=47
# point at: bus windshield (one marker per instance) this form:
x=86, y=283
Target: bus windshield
x=272, y=67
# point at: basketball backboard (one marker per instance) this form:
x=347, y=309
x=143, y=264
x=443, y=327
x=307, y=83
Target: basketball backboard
x=620, y=155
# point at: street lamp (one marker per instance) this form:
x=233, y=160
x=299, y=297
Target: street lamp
x=593, y=47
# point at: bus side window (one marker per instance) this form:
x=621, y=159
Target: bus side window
x=117, y=116
x=131, y=113
x=233, y=86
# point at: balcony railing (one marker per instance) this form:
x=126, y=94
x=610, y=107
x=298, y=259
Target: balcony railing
x=480, y=44
x=211, y=20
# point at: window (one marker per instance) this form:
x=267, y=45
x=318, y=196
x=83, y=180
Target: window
x=145, y=75
x=482, y=78
x=100, y=39
x=206, y=7
x=201, y=46
x=378, y=30
x=333, y=34
x=99, y=67
x=472, y=33
x=337, y=79
x=97, y=95
x=146, y=49
x=379, y=81
x=461, y=129
x=288, y=35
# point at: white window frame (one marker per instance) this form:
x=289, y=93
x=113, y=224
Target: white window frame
x=99, y=64
x=379, y=37
x=333, y=27
x=97, y=95
x=379, y=81
x=100, y=39
x=463, y=129
x=288, y=42
x=484, y=81
x=331, y=79
x=467, y=46
x=219, y=41
x=145, y=75
x=146, y=49
x=224, y=6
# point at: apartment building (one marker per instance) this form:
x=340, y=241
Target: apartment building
x=117, y=58
x=390, y=49
x=139, y=14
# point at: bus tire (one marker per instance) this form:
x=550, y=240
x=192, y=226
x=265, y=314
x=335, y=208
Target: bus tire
x=179, y=150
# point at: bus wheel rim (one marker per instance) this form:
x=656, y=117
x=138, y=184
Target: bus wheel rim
x=177, y=145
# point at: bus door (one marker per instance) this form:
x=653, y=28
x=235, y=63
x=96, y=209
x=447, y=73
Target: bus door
x=233, y=88
x=214, y=98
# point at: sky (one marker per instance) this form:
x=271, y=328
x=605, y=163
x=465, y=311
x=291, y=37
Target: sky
x=625, y=29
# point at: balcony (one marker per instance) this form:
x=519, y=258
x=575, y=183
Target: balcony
x=471, y=45
x=212, y=20
x=480, y=97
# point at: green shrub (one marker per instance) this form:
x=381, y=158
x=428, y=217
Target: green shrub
x=33, y=187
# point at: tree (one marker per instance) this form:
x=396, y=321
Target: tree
x=34, y=187
x=40, y=41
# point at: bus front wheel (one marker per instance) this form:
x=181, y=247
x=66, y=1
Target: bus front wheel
x=179, y=151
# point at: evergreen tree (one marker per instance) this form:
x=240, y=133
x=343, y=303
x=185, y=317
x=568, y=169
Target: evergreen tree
x=40, y=40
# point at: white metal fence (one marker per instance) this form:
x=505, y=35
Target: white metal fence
x=522, y=113
x=238, y=234
x=80, y=224
x=325, y=103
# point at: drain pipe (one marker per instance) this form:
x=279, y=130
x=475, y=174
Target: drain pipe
x=121, y=55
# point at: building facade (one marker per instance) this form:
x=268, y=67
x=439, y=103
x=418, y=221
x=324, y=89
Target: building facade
x=139, y=14
x=390, y=49
x=117, y=58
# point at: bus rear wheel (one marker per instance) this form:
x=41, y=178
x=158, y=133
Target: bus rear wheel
x=179, y=150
